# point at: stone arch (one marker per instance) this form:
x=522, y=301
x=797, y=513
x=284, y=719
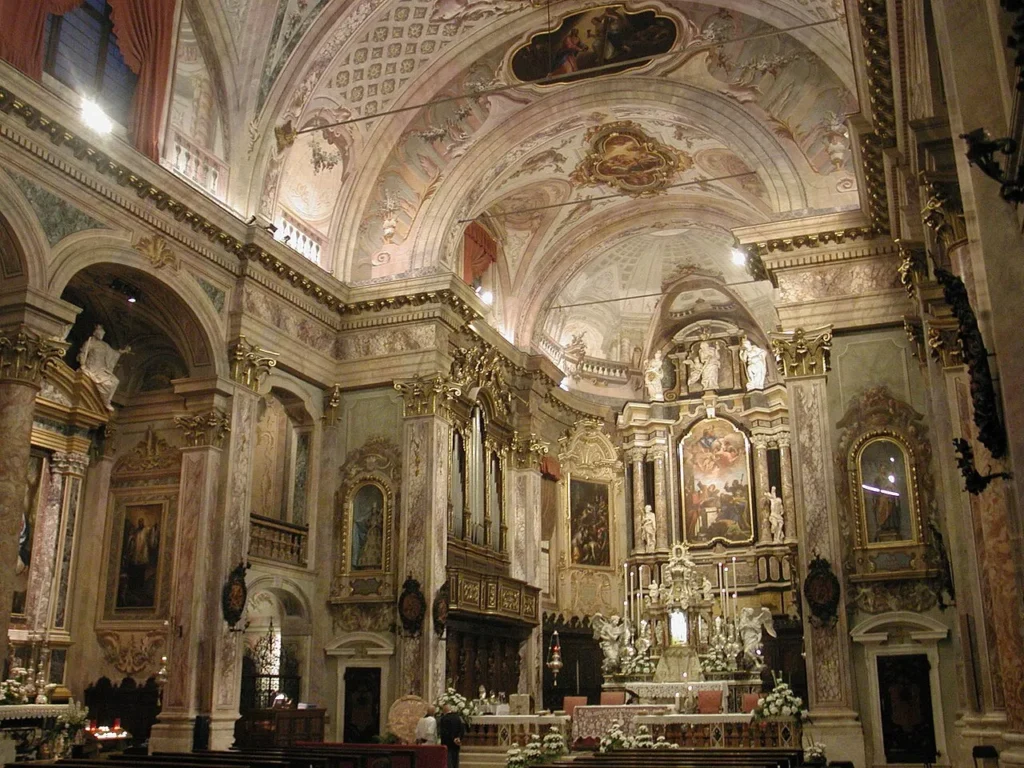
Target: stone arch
x=196, y=325
x=24, y=249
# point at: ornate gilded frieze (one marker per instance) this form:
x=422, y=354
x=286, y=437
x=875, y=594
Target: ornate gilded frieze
x=813, y=240
x=803, y=352
x=27, y=356
x=204, y=429
x=426, y=395
x=250, y=364
x=479, y=364
x=151, y=455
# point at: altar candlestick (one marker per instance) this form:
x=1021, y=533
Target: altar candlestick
x=625, y=583
x=632, y=596
x=735, y=590
x=725, y=609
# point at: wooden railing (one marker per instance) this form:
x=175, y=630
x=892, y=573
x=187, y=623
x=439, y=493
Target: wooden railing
x=277, y=541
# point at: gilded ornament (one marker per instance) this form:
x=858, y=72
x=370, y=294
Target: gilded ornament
x=913, y=265
x=27, y=356
x=624, y=157
x=332, y=402
x=130, y=652
x=426, y=396
x=803, y=352
x=250, y=364
x=157, y=252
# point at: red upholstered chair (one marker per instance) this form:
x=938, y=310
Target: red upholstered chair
x=569, y=703
x=613, y=697
x=709, y=702
x=749, y=702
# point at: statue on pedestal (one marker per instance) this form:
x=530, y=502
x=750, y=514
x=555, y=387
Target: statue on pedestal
x=98, y=360
x=749, y=627
x=649, y=529
x=756, y=360
x=776, y=515
x=704, y=368
x=654, y=378
x=612, y=635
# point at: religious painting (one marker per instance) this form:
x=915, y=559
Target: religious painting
x=140, y=556
x=905, y=700
x=592, y=42
x=622, y=156
x=886, y=498
x=715, y=467
x=589, y=523
x=26, y=531
x=367, y=552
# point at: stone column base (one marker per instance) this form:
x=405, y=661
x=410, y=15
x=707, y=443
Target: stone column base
x=222, y=730
x=1012, y=755
x=173, y=733
x=843, y=736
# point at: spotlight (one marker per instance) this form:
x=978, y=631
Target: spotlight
x=739, y=257
x=487, y=297
x=565, y=384
x=126, y=289
x=95, y=118
x=132, y=299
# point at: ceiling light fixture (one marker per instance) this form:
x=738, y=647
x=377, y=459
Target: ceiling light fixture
x=95, y=118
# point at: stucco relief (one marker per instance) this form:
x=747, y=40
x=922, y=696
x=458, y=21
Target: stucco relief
x=384, y=342
x=131, y=652
x=838, y=280
x=362, y=618
x=290, y=321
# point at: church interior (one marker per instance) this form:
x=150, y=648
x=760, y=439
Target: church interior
x=616, y=374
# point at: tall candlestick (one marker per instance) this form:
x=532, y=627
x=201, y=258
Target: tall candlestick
x=735, y=590
x=632, y=597
x=725, y=571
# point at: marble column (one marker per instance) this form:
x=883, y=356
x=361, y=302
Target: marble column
x=803, y=358
x=423, y=531
x=788, y=501
x=55, y=586
x=661, y=502
x=195, y=594
x=764, y=531
x=25, y=359
x=636, y=457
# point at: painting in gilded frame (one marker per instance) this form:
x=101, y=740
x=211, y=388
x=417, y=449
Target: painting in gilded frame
x=589, y=522
x=139, y=563
x=888, y=510
x=597, y=37
x=715, y=468
x=369, y=507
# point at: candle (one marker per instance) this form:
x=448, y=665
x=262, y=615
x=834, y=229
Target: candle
x=725, y=607
x=735, y=589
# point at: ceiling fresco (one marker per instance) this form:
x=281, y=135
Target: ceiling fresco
x=715, y=120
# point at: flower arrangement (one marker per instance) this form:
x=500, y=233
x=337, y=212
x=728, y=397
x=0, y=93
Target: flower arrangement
x=781, y=702
x=662, y=744
x=716, y=660
x=814, y=753
x=554, y=744
x=14, y=690
x=515, y=758
x=68, y=728
x=616, y=738
x=638, y=664
x=458, y=703
x=643, y=739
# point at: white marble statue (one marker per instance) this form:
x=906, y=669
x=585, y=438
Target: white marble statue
x=756, y=360
x=649, y=529
x=704, y=368
x=707, y=590
x=574, y=353
x=98, y=360
x=776, y=515
x=750, y=626
x=654, y=378
x=612, y=635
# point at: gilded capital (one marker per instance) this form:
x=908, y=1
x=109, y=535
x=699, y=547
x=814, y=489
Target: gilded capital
x=943, y=212
x=28, y=357
x=944, y=342
x=803, y=352
x=424, y=396
x=204, y=429
x=69, y=463
x=332, y=401
x=915, y=335
x=250, y=364
x=913, y=265
x=528, y=450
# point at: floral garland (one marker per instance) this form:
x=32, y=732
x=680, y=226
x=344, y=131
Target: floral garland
x=781, y=702
x=458, y=703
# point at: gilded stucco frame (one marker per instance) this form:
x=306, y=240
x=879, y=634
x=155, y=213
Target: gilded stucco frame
x=355, y=485
x=857, y=480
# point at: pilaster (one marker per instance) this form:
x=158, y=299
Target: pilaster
x=760, y=442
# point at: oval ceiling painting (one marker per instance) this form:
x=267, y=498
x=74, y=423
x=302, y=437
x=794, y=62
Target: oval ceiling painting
x=592, y=42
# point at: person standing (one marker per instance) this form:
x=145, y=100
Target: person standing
x=451, y=729
x=426, y=728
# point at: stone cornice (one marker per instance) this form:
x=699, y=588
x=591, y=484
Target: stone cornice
x=848, y=252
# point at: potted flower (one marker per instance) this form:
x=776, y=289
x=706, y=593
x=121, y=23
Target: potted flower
x=554, y=744
x=616, y=738
x=814, y=753
x=780, y=703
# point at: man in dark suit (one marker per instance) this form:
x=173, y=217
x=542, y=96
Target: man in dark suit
x=451, y=729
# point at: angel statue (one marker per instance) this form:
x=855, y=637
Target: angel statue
x=611, y=635
x=750, y=626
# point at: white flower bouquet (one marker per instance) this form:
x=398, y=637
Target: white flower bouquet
x=716, y=660
x=781, y=702
x=643, y=739
x=639, y=664
x=554, y=744
x=458, y=703
x=616, y=738
x=514, y=758
x=533, y=752
x=814, y=753
x=13, y=690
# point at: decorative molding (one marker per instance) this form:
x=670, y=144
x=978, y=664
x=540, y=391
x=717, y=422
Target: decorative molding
x=213, y=293
x=528, y=450
x=481, y=365
x=803, y=352
x=490, y=594
x=157, y=252
x=813, y=240
x=943, y=211
x=426, y=396
x=874, y=21
x=27, y=356
x=151, y=455
x=70, y=463
x=250, y=364
x=131, y=652
x=205, y=429
x=943, y=342
x=914, y=328
x=983, y=395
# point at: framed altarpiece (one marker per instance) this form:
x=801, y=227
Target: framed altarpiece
x=365, y=512
x=591, y=506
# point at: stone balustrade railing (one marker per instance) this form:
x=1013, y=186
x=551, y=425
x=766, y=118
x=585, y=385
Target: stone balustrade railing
x=502, y=731
x=277, y=541
x=197, y=165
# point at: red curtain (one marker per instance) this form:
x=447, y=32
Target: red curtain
x=549, y=467
x=143, y=29
x=479, y=251
x=21, y=33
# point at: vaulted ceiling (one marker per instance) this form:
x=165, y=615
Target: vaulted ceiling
x=724, y=93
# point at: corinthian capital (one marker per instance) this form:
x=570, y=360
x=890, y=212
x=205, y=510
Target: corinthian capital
x=205, y=428
x=803, y=352
x=26, y=356
x=70, y=463
x=426, y=396
x=250, y=364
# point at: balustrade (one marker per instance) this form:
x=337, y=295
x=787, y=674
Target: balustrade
x=277, y=541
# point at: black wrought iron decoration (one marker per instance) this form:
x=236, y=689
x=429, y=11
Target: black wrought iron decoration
x=974, y=482
x=821, y=590
x=981, y=152
x=412, y=607
x=235, y=594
